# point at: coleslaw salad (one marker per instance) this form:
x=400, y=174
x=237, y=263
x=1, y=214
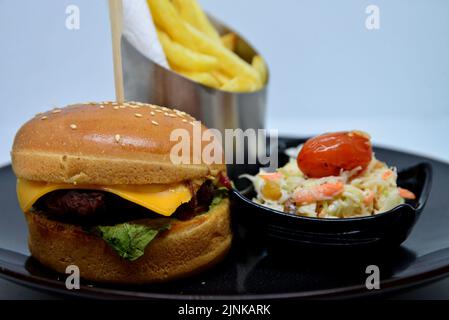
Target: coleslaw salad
x=354, y=193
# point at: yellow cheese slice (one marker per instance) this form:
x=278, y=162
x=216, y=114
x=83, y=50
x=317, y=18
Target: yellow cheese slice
x=162, y=199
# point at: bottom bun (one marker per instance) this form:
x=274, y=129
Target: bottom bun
x=187, y=248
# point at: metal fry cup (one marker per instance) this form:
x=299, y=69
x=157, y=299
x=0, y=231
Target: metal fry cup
x=146, y=81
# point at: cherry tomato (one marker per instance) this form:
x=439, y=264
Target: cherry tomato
x=328, y=154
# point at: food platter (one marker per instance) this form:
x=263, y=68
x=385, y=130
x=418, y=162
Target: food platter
x=251, y=271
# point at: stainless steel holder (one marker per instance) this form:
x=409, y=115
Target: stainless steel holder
x=146, y=81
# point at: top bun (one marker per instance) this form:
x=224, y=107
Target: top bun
x=106, y=144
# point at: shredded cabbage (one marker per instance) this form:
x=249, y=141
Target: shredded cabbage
x=359, y=194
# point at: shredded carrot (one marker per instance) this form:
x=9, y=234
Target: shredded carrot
x=323, y=191
x=406, y=194
x=387, y=174
x=369, y=198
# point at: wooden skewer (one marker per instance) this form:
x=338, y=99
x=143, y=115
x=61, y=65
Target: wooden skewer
x=116, y=18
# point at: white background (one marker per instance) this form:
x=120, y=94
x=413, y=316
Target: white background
x=328, y=72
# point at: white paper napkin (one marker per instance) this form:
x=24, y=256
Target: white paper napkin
x=139, y=30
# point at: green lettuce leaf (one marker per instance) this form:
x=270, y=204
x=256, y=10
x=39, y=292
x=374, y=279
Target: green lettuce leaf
x=219, y=194
x=129, y=240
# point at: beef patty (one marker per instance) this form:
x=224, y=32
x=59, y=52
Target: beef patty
x=91, y=207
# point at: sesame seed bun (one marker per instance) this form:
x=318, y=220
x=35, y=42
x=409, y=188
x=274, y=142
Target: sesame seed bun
x=105, y=144
x=187, y=248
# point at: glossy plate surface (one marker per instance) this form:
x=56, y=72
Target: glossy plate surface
x=253, y=272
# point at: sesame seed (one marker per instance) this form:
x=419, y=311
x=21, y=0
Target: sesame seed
x=155, y=123
x=171, y=115
x=44, y=118
x=166, y=114
x=73, y=126
x=101, y=107
x=138, y=115
x=157, y=110
x=39, y=114
x=152, y=107
x=56, y=111
x=152, y=113
x=122, y=107
x=117, y=138
x=184, y=120
x=116, y=108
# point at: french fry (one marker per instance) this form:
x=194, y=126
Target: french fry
x=191, y=12
x=204, y=78
x=220, y=76
x=185, y=58
x=259, y=64
x=229, y=40
x=167, y=18
x=240, y=84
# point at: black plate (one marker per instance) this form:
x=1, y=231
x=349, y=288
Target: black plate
x=252, y=272
x=378, y=232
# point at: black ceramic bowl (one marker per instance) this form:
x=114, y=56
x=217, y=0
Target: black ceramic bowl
x=388, y=229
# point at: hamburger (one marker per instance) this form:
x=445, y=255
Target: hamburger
x=99, y=190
